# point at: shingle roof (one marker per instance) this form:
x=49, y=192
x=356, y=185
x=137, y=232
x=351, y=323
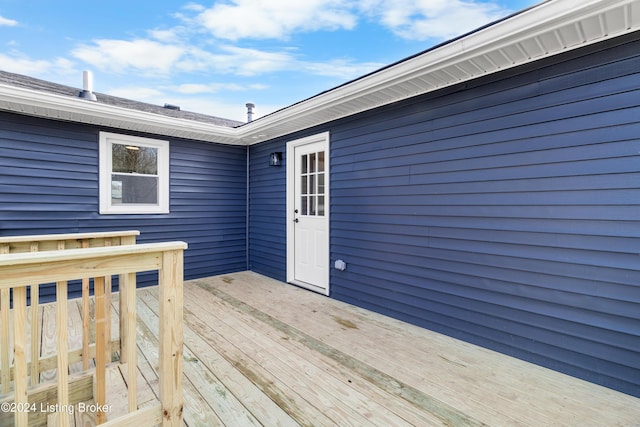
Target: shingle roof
x=26, y=82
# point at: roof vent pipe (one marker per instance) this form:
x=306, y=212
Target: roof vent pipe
x=87, y=87
x=250, y=106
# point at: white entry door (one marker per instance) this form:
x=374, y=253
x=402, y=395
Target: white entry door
x=308, y=213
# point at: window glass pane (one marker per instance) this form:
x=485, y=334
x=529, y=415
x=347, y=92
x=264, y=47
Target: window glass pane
x=134, y=189
x=321, y=161
x=134, y=159
x=312, y=205
x=312, y=162
x=303, y=184
x=312, y=184
x=320, y=183
x=320, y=205
x=303, y=205
x=303, y=164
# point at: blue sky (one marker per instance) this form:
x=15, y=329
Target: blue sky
x=213, y=57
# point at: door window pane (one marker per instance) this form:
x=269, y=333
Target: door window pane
x=312, y=205
x=312, y=162
x=312, y=183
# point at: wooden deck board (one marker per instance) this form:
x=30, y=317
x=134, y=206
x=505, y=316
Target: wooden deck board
x=476, y=384
x=261, y=352
x=309, y=381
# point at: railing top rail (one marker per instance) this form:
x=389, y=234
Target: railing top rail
x=21, y=269
x=69, y=236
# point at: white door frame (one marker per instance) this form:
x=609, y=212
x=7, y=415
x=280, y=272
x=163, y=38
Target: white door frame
x=318, y=138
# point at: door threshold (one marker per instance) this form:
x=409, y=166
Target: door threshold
x=310, y=287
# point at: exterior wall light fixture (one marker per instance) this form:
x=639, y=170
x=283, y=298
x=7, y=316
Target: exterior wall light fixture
x=275, y=159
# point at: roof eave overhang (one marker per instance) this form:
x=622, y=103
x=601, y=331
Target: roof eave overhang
x=66, y=108
x=551, y=28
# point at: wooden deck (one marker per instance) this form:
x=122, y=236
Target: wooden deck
x=260, y=352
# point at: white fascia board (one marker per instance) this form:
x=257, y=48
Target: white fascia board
x=50, y=105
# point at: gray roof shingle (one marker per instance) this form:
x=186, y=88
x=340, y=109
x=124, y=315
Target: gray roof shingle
x=27, y=82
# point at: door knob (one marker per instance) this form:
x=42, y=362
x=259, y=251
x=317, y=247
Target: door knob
x=296, y=220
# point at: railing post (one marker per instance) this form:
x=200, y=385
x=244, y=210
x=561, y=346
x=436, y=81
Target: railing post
x=5, y=369
x=125, y=281
x=20, y=352
x=35, y=341
x=85, y=316
x=170, y=337
x=128, y=342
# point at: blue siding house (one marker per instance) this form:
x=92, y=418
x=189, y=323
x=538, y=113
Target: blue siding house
x=487, y=189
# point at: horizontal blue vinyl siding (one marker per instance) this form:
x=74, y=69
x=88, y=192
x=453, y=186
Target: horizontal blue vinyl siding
x=267, y=211
x=49, y=184
x=506, y=215
x=504, y=212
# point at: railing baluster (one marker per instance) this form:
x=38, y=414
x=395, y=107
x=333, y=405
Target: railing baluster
x=20, y=353
x=85, y=317
x=62, y=318
x=107, y=310
x=35, y=336
x=123, y=303
x=129, y=289
x=101, y=366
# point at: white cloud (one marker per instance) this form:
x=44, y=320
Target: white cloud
x=182, y=49
x=250, y=62
x=275, y=19
x=409, y=19
x=437, y=19
x=344, y=69
x=203, y=88
x=194, y=6
x=166, y=36
x=41, y=68
x=6, y=22
x=146, y=56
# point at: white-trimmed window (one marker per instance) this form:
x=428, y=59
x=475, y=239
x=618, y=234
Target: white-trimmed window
x=134, y=175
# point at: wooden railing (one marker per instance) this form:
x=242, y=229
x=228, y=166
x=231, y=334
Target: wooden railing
x=48, y=242
x=18, y=271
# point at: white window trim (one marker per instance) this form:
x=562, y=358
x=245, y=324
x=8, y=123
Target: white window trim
x=106, y=139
